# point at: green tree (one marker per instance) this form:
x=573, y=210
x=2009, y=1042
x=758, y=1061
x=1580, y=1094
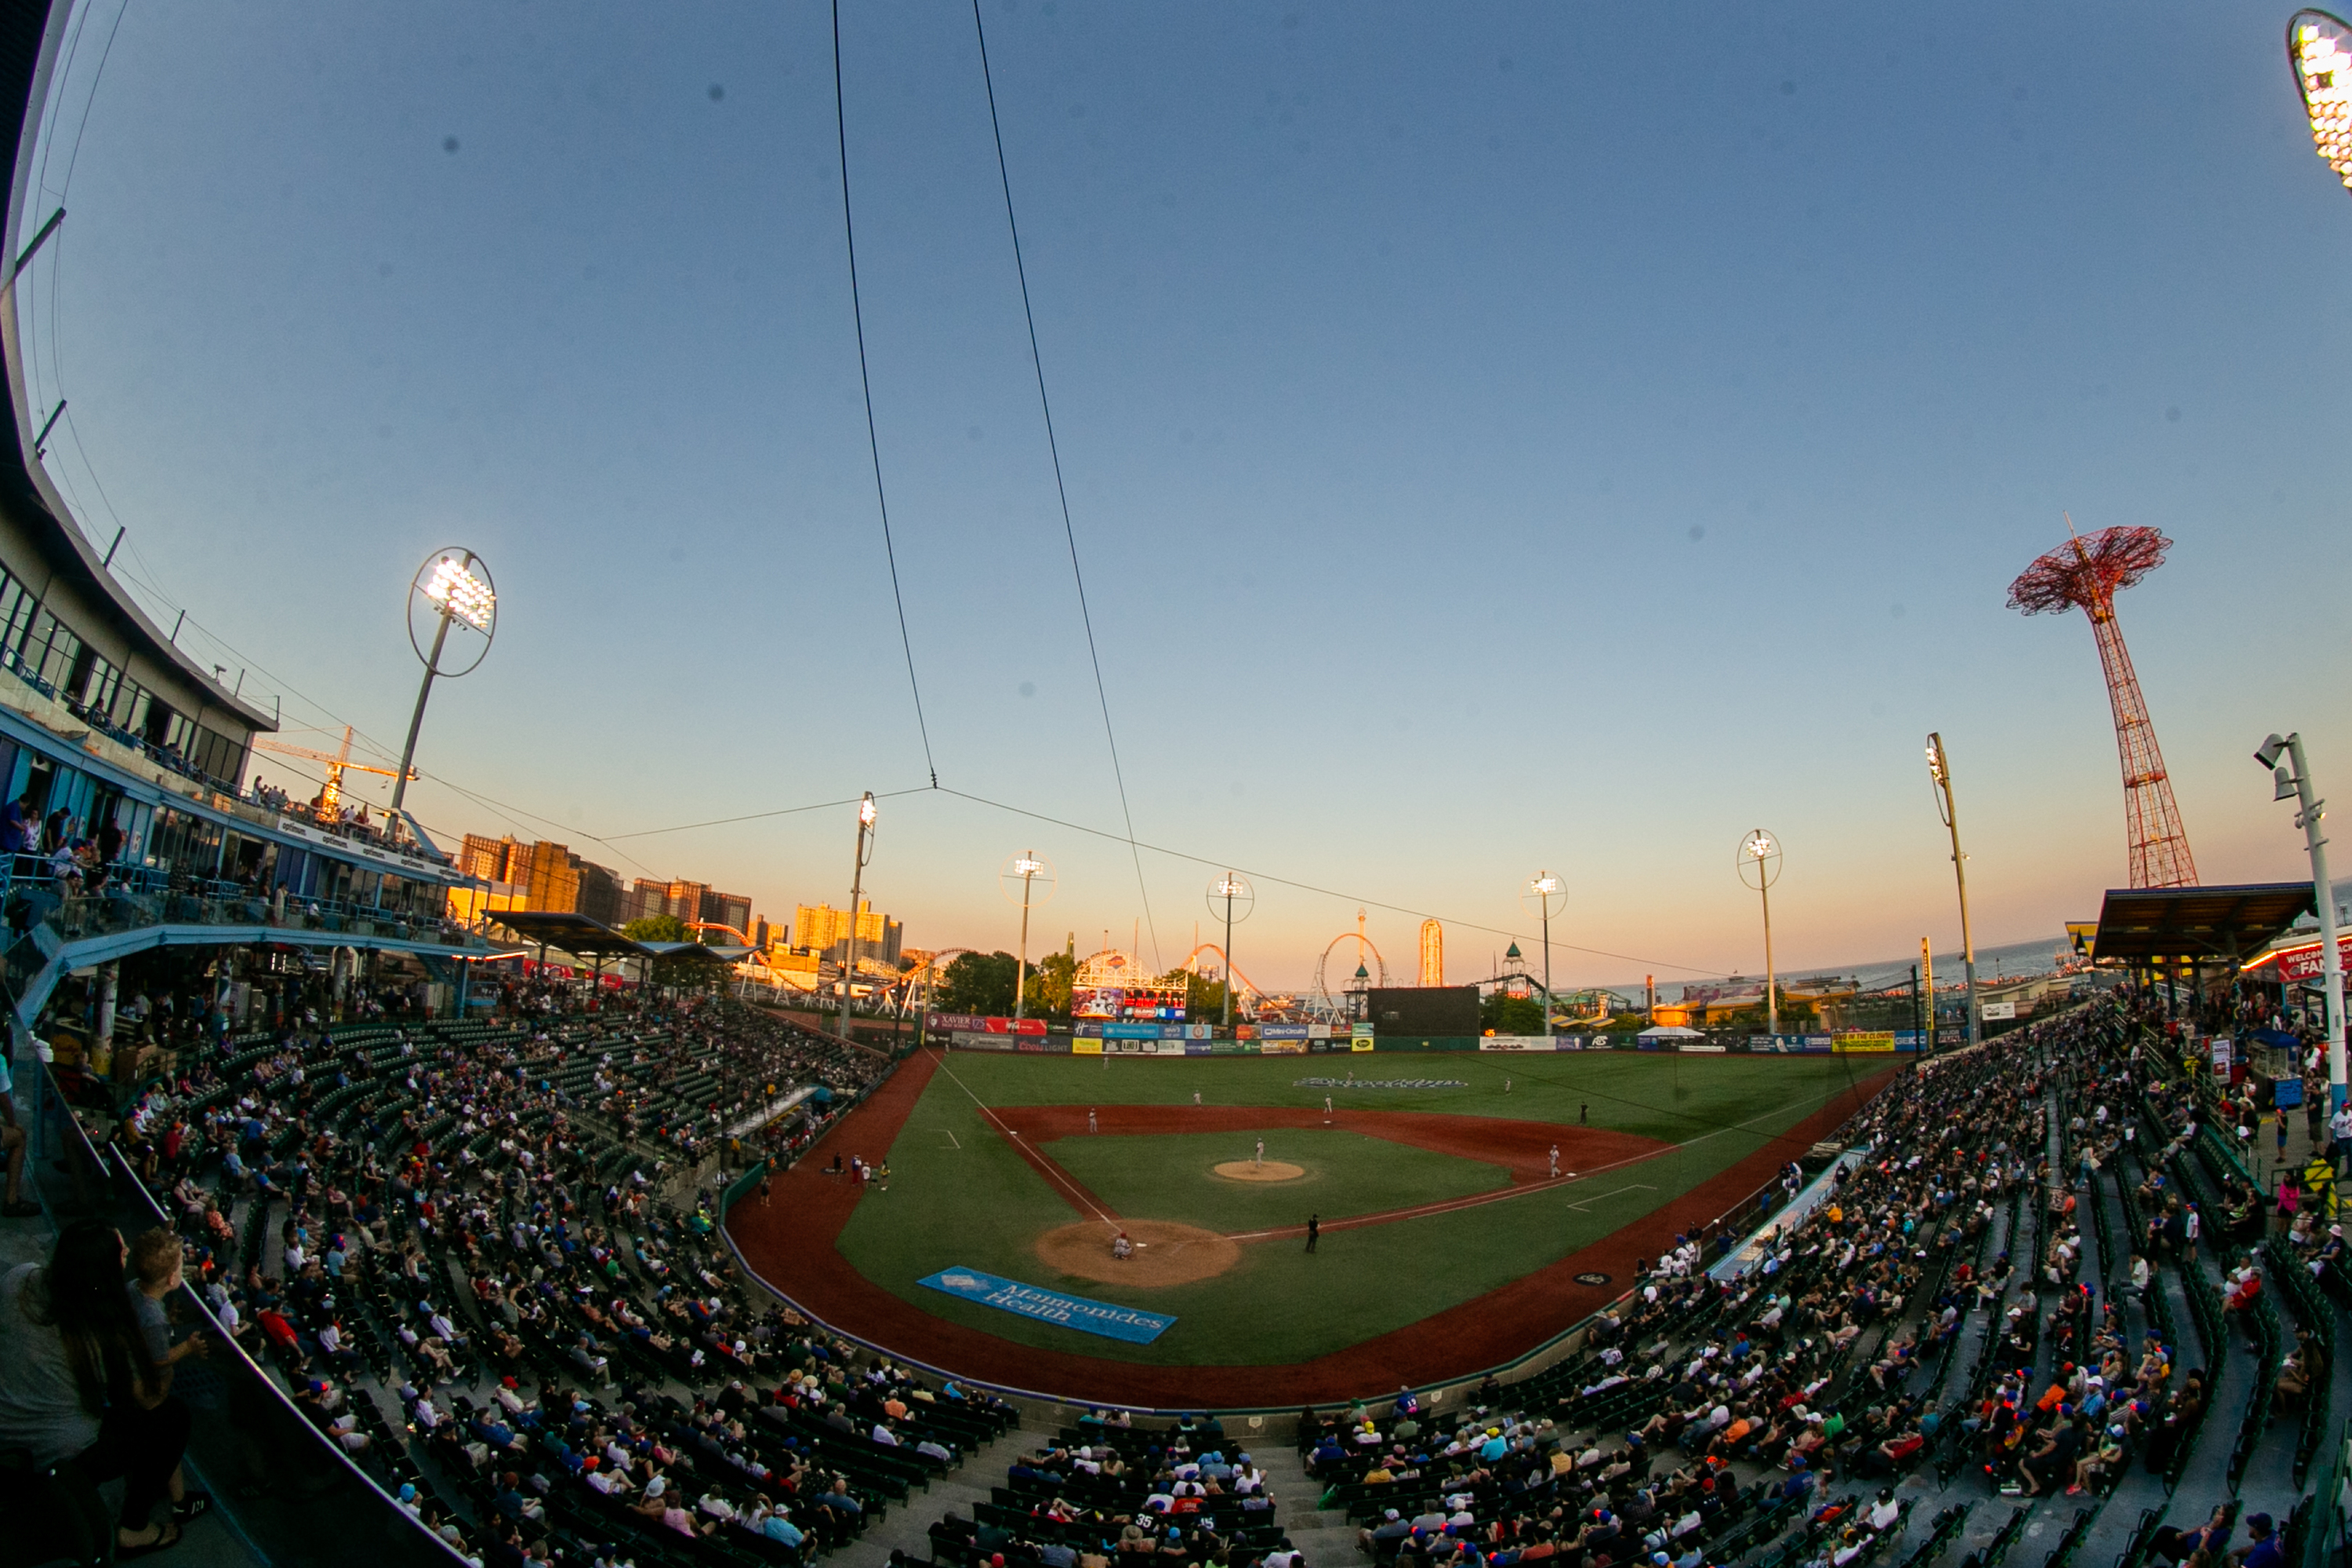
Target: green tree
x=1508, y=1015
x=671, y=971
x=1204, y=999
x=1051, y=980
x=979, y=982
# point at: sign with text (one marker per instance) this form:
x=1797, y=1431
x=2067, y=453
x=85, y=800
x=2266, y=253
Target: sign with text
x=1106, y=1318
x=977, y=1024
x=1862, y=1043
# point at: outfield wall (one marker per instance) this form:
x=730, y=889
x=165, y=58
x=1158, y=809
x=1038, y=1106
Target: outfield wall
x=1180, y=1040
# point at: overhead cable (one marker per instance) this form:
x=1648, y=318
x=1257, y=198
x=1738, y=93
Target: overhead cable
x=866, y=381
x=1061, y=491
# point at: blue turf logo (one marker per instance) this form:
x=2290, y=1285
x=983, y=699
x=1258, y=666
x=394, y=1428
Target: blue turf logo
x=1105, y=1318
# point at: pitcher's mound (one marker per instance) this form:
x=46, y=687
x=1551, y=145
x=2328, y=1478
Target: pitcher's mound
x=1165, y=1253
x=1266, y=1170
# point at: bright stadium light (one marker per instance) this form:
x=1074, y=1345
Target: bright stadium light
x=1027, y=879
x=856, y=893
x=1544, y=896
x=1231, y=894
x=2295, y=785
x=1757, y=860
x=462, y=593
x=1940, y=770
x=452, y=590
x=2319, y=51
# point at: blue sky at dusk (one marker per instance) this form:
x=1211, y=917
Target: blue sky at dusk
x=1498, y=437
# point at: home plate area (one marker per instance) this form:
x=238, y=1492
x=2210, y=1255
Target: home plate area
x=1160, y=1252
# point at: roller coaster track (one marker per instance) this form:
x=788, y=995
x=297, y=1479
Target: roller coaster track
x=1248, y=987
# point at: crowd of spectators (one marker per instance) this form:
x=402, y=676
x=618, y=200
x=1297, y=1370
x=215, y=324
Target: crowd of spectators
x=468, y=1225
x=1788, y=1401
x=385, y=1214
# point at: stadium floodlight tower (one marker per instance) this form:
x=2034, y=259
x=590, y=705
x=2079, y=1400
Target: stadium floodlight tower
x=1757, y=859
x=2294, y=784
x=857, y=891
x=1940, y=772
x=1025, y=872
x=454, y=589
x=2084, y=575
x=1545, y=896
x=2319, y=51
x=1232, y=894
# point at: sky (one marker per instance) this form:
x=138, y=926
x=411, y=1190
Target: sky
x=1498, y=438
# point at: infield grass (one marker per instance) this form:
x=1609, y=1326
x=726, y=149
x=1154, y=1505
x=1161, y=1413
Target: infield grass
x=1173, y=1176
x=961, y=1194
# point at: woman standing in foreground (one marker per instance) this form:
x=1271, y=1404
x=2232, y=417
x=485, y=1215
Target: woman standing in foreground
x=77, y=1383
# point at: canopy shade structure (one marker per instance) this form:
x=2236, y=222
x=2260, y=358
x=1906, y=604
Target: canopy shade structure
x=695, y=949
x=573, y=934
x=2182, y=923
x=1670, y=1031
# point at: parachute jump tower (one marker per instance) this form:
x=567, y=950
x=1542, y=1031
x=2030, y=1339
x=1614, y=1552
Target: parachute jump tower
x=2084, y=575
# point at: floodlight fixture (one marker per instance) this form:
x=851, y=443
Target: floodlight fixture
x=455, y=590
x=1232, y=895
x=1761, y=852
x=2319, y=51
x=1025, y=871
x=2294, y=782
x=453, y=584
x=1546, y=896
x=1940, y=770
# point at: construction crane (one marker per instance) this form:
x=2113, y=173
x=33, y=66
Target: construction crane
x=339, y=762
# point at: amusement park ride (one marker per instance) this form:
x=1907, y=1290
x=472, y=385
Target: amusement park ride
x=2085, y=574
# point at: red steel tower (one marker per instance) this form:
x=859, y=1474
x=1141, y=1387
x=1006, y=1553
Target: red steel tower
x=2085, y=574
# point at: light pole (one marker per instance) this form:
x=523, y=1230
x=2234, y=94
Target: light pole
x=1758, y=862
x=1237, y=899
x=1542, y=888
x=857, y=891
x=1024, y=869
x=2295, y=785
x=455, y=586
x=1939, y=769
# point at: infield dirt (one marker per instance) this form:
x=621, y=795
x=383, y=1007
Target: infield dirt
x=1165, y=1253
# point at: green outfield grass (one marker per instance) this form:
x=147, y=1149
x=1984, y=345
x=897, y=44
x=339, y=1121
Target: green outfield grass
x=960, y=1195
x=1172, y=1176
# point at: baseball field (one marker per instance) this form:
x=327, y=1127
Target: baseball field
x=1450, y=1237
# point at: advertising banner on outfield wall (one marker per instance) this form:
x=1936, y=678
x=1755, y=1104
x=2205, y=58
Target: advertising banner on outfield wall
x=1515, y=1043
x=977, y=1024
x=1790, y=1045
x=968, y=1040
x=1296, y=1047
x=1862, y=1043
x=1082, y=1047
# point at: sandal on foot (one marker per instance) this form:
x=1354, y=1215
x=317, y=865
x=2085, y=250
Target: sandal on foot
x=194, y=1505
x=20, y=1211
x=166, y=1534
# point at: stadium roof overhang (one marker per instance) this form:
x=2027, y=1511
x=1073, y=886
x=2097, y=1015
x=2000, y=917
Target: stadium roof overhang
x=2182, y=924
x=587, y=938
x=31, y=37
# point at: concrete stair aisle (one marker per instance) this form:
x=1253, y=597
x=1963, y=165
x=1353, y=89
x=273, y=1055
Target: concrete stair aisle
x=1324, y=1536
x=906, y=1527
